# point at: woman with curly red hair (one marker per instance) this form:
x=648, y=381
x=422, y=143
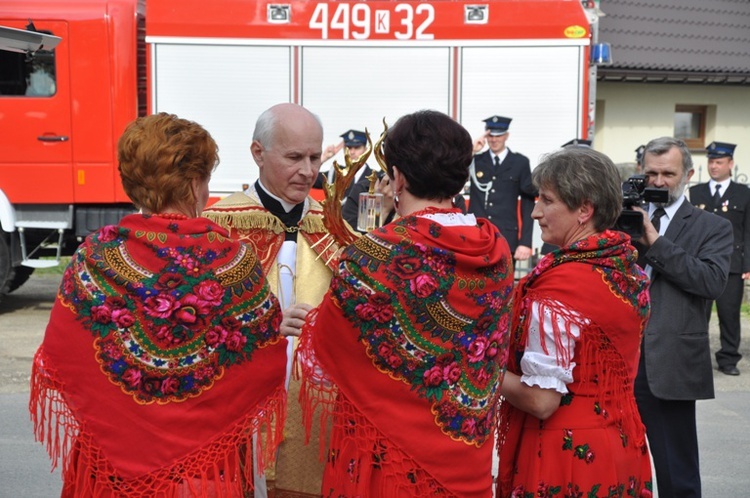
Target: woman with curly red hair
x=162, y=355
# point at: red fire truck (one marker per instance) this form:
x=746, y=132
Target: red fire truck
x=222, y=62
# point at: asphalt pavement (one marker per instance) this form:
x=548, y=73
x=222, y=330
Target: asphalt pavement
x=25, y=470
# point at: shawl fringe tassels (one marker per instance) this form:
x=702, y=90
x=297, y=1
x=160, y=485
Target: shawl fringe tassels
x=398, y=473
x=598, y=362
x=222, y=468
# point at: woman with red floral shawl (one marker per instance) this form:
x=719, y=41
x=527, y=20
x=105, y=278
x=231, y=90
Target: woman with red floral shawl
x=570, y=426
x=407, y=350
x=162, y=356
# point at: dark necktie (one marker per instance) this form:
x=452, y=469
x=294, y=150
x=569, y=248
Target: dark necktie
x=497, y=161
x=717, y=196
x=656, y=218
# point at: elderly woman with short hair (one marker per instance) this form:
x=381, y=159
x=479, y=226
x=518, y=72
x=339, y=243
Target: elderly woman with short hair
x=570, y=422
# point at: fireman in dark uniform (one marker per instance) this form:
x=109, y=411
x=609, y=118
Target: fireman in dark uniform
x=498, y=178
x=356, y=142
x=730, y=200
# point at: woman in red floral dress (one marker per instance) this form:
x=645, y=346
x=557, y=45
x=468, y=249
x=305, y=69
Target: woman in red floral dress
x=570, y=426
x=162, y=355
x=408, y=349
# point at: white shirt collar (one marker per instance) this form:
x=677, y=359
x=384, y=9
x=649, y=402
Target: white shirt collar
x=669, y=210
x=503, y=154
x=451, y=219
x=359, y=174
x=724, y=185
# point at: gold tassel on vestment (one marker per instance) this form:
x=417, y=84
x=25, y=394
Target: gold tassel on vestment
x=247, y=220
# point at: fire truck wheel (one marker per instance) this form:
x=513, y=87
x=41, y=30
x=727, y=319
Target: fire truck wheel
x=6, y=270
x=20, y=275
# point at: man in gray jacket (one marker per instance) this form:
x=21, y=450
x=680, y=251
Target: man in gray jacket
x=686, y=251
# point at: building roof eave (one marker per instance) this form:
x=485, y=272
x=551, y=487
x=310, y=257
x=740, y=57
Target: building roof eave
x=673, y=77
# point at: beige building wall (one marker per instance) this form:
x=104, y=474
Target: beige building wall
x=631, y=114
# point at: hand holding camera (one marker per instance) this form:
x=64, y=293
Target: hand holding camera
x=634, y=220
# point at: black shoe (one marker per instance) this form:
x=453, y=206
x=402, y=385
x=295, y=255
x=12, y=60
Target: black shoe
x=729, y=370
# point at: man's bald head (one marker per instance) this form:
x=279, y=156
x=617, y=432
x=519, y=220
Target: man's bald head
x=287, y=147
x=281, y=114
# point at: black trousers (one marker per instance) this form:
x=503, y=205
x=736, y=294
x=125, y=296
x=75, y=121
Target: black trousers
x=673, y=440
x=728, y=310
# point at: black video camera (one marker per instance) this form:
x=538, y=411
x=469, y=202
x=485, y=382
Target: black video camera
x=636, y=193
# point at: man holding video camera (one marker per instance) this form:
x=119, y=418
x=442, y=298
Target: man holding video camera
x=686, y=251
x=730, y=200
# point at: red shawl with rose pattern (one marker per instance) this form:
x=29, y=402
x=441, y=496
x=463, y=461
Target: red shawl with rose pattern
x=161, y=358
x=598, y=279
x=413, y=355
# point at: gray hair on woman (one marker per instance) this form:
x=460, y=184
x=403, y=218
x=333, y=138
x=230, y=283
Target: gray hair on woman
x=580, y=174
